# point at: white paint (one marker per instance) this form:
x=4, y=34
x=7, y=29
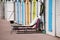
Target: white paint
x=9, y=10
x=39, y=7
x=58, y=18
x=15, y=13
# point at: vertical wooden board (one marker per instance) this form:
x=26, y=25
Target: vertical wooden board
x=23, y=12
x=50, y=16
x=5, y=6
x=15, y=12
x=9, y=7
x=34, y=10
x=57, y=18
x=28, y=12
x=1, y=10
x=18, y=17
x=39, y=3
x=20, y=12
x=37, y=8
x=5, y=10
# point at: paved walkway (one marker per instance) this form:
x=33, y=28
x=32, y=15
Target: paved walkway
x=6, y=35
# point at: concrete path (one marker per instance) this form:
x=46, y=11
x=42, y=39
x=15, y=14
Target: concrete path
x=6, y=35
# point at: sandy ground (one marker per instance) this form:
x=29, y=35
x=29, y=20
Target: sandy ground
x=5, y=34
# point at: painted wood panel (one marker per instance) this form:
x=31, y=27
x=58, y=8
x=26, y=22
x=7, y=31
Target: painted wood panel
x=18, y=12
x=38, y=8
x=50, y=14
x=58, y=18
x=23, y=12
x=27, y=12
x=34, y=14
x=9, y=10
x=30, y=11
